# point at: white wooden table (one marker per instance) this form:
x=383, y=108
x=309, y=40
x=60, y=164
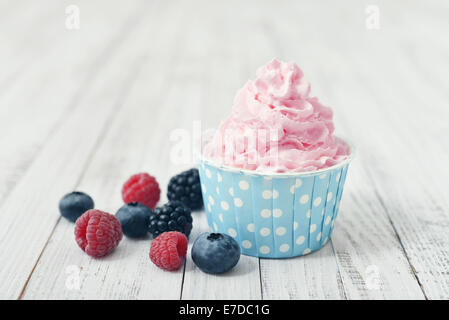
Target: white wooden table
x=85, y=108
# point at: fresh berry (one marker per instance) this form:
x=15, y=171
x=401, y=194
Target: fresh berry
x=215, y=252
x=97, y=232
x=168, y=251
x=74, y=204
x=134, y=218
x=186, y=187
x=141, y=188
x=172, y=216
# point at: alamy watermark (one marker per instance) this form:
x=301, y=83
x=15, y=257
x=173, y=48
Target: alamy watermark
x=249, y=145
x=72, y=20
x=72, y=282
x=372, y=20
x=373, y=280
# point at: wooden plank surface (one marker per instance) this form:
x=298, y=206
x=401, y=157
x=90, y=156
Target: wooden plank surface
x=56, y=169
x=84, y=109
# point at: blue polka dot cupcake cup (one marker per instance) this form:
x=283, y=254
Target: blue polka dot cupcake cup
x=273, y=215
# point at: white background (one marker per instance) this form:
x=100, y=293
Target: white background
x=85, y=108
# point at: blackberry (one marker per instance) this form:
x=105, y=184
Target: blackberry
x=186, y=187
x=172, y=216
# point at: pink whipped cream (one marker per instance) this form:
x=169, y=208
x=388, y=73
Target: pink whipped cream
x=276, y=126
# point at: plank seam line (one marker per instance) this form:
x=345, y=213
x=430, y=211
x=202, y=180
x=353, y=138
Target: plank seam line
x=338, y=193
x=22, y=292
x=182, y=280
x=401, y=244
x=260, y=280
x=101, y=136
x=130, y=80
x=372, y=94
x=338, y=269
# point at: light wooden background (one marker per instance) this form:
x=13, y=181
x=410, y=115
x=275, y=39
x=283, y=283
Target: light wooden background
x=84, y=109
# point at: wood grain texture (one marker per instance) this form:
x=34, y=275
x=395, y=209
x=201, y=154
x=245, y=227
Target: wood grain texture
x=414, y=196
x=366, y=247
x=33, y=72
x=241, y=283
x=85, y=109
x=55, y=169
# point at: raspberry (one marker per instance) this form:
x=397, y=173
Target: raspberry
x=141, y=188
x=97, y=232
x=169, y=250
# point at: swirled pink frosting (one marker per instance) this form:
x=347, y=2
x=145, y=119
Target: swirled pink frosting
x=275, y=125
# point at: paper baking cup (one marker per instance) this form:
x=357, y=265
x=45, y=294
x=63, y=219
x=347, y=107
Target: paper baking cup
x=273, y=215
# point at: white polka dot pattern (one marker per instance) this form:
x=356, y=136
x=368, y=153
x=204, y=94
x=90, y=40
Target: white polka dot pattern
x=267, y=194
x=244, y=185
x=300, y=240
x=238, y=202
x=277, y=213
x=265, y=232
x=270, y=216
x=292, y=189
x=265, y=213
x=281, y=231
x=264, y=249
x=225, y=205
x=246, y=244
x=232, y=232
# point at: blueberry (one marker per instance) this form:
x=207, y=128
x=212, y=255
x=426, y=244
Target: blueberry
x=134, y=218
x=215, y=252
x=74, y=204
